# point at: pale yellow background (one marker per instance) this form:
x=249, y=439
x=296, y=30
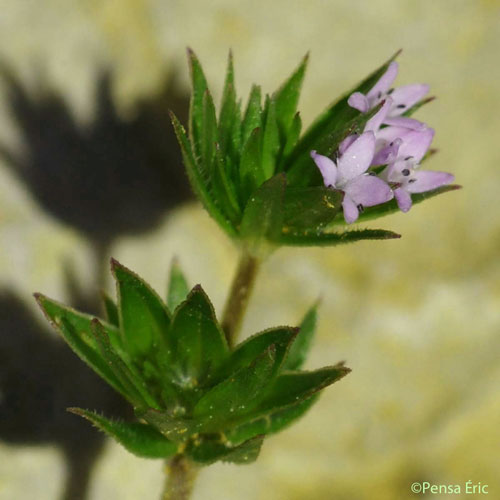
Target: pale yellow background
x=417, y=319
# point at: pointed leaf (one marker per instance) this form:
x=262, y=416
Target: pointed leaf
x=253, y=347
x=288, y=398
x=252, y=118
x=228, y=112
x=332, y=239
x=198, y=343
x=291, y=387
x=196, y=112
x=287, y=97
x=224, y=187
x=291, y=138
x=300, y=347
x=209, y=136
x=144, y=319
x=310, y=208
x=251, y=171
x=140, y=439
x=76, y=330
x=111, y=309
x=270, y=141
x=237, y=394
x=197, y=179
x=126, y=374
x=271, y=423
x=263, y=216
x=177, y=286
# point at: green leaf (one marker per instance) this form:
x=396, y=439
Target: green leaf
x=144, y=319
x=287, y=97
x=253, y=114
x=237, y=394
x=209, y=450
x=224, y=188
x=76, y=330
x=173, y=427
x=177, y=286
x=263, y=216
x=310, y=208
x=370, y=213
x=291, y=387
x=271, y=423
x=286, y=400
x=270, y=141
x=111, y=309
x=251, y=171
x=198, y=180
x=300, y=348
x=328, y=130
x=196, y=109
x=198, y=343
x=228, y=111
x=291, y=138
x=209, y=133
x=332, y=239
x=248, y=351
x=126, y=374
x=140, y=439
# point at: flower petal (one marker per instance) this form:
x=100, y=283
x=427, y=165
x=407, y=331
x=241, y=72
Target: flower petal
x=426, y=180
x=358, y=101
x=327, y=168
x=385, y=82
x=403, y=198
x=407, y=96
x=356, y=158
x=368, y=190
x=347, y=142
x=404, y=121
x=416, y=143
x=351, y=212
x=375, y=121
x=388, y=134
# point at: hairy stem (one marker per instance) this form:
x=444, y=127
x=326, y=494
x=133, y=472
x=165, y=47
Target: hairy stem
x=180, y=479
x=239, y=294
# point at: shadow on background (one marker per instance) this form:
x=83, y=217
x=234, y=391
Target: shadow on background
x=39, y=378
x=112, y=177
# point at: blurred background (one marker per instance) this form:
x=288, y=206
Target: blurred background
x=89, y=169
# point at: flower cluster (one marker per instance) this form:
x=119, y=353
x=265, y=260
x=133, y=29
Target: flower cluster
x=383, y=162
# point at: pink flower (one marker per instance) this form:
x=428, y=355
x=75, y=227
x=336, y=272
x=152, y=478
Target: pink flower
x=402, y=98
x=349, y=175
x=407, y=148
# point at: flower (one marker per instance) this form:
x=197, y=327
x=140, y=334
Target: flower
x=401, y=99
x=406, y=148
x=349, y=175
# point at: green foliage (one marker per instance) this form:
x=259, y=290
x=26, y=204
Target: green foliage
x=191, y=394
x=256, y=165
x=140, y=439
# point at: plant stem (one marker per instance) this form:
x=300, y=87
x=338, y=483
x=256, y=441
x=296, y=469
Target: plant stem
x=239, y=294
x=180, y=479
